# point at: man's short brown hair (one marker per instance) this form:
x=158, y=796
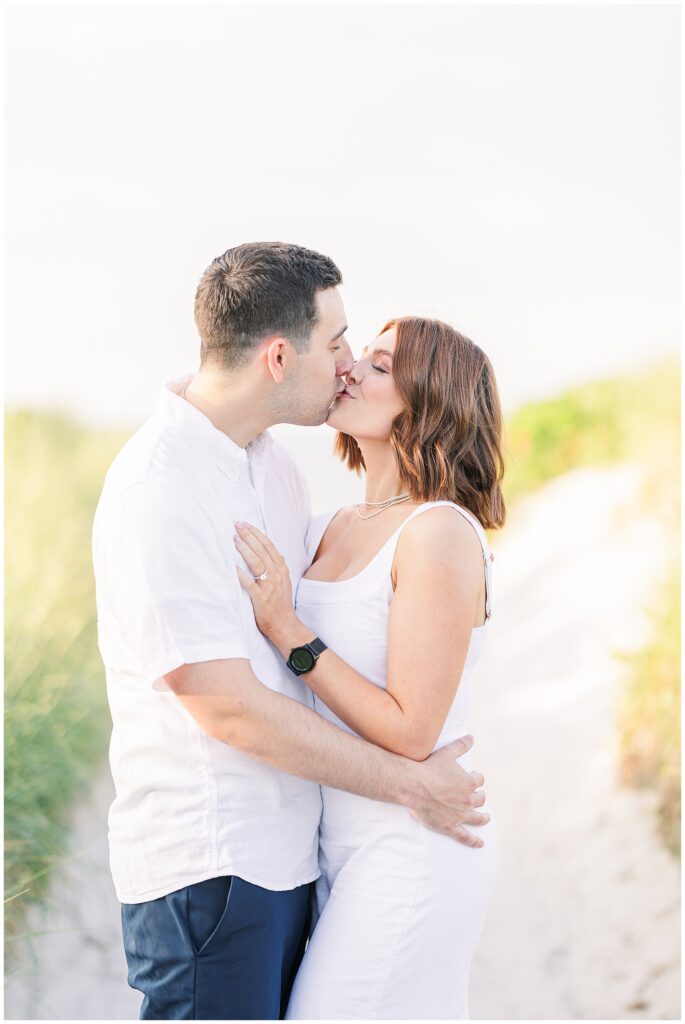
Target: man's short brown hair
x=256, y=290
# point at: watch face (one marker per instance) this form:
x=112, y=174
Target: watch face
x=302, y=659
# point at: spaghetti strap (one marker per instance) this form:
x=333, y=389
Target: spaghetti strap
x=485, y=547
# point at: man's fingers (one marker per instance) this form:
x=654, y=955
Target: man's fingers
x=476, y=818
x=477, y=778
x=462, y=836
x=478, y=799
x=458, y=747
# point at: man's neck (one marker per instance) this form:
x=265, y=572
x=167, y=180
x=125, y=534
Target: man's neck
x=231, y=403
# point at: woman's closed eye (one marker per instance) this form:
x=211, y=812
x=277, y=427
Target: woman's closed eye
x=379, y=368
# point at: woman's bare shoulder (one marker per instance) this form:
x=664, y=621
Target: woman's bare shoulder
x=440, y=533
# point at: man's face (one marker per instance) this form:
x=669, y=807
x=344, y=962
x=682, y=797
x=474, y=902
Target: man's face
x=317, y=374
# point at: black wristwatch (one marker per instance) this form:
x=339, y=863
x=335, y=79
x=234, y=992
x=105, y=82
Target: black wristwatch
x=303, y=659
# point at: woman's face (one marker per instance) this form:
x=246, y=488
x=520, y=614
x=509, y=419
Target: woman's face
x=370, y=401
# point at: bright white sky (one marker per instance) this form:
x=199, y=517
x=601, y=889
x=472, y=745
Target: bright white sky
x=513, y=170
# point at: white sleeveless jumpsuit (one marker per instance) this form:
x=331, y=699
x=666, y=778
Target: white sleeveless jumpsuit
x=400, y=907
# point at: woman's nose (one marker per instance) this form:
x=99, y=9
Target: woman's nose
x=352, y=375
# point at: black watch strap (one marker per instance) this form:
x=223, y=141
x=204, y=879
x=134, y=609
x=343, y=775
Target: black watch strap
x=317, y=646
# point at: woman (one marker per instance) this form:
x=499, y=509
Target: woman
x=399, y=589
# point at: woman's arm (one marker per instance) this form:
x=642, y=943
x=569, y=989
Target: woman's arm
x=439, y=568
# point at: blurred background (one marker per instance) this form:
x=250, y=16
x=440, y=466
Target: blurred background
x=514, y=170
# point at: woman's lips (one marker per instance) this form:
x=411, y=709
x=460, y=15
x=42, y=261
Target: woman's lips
x=336, y=400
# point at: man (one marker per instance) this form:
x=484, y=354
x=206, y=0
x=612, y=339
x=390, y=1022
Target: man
x=216, y=752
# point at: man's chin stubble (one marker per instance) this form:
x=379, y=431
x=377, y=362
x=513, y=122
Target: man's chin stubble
x=320, y=419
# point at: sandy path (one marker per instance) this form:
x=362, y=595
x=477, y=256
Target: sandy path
x=584, y=921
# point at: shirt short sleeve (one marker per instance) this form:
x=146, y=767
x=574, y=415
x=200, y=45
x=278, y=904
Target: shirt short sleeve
x=171, y=594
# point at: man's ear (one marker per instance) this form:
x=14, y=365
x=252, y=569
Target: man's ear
x=278, y=354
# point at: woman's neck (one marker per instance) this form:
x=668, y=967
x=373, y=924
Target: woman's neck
x=382, y=478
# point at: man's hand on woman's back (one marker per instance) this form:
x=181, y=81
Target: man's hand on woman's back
x=451, y=794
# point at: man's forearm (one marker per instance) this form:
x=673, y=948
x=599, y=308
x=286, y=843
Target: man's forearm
x=292, y=737
x=289, y=736
x=231, y=705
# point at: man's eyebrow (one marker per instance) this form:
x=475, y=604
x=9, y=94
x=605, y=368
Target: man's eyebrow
x=338, y=335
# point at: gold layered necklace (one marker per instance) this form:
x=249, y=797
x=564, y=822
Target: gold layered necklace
x=380, y=506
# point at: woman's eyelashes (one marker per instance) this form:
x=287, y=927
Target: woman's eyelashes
x=379, y=368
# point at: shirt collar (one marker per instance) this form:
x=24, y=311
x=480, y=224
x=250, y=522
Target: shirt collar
x=228, y=456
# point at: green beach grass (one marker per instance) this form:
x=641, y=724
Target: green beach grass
x=649, y=713
x=57, y=723
x=634, y=417
x=56, y=718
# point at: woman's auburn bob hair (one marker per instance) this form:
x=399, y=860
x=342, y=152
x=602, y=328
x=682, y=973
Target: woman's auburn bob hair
x=448, y=439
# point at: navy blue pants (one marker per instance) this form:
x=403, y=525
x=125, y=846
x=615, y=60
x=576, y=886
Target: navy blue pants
x=222, y=949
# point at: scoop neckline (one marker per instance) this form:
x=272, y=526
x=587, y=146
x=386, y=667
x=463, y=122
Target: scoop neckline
x=362, y=572
x=350, y=579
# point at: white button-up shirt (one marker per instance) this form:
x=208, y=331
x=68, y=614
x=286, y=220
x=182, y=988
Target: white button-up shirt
x=189, y=807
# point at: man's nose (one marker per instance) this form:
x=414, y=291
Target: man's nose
x=347, y=361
